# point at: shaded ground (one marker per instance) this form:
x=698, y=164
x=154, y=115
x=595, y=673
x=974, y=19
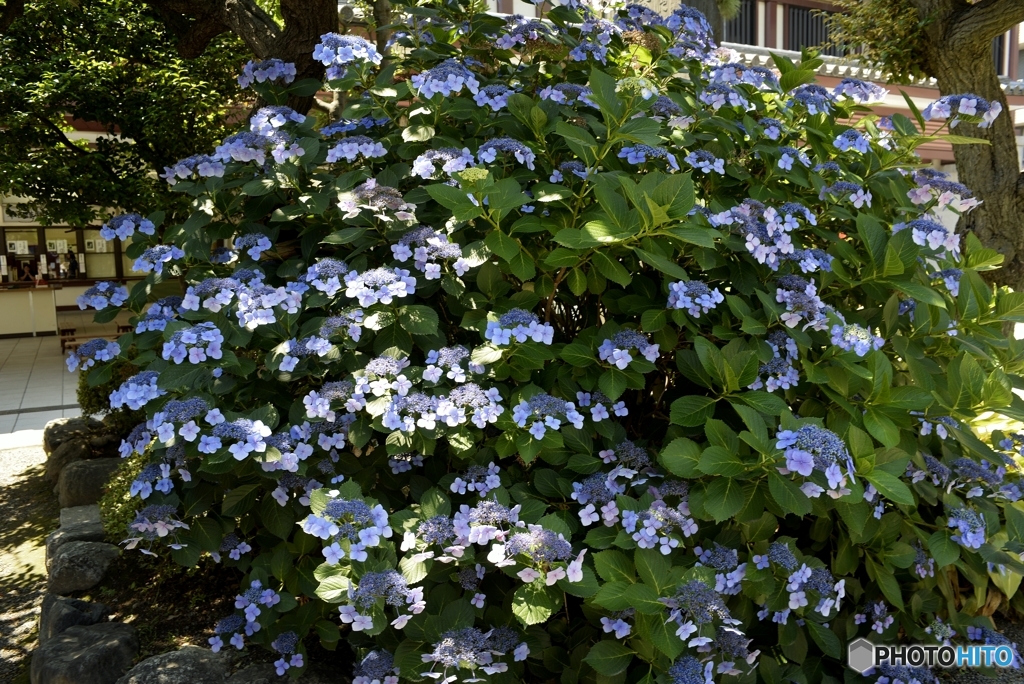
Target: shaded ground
x=170, y=606
x=28, y=512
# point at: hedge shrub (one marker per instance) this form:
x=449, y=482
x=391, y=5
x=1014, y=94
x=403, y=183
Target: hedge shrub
x=577, y=352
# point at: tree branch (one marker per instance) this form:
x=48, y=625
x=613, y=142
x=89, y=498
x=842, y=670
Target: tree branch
x=61, y=135
x=254, y=26
x=196, y=22
x=984, y=21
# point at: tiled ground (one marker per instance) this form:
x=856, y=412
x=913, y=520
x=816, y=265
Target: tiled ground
x=33, y=376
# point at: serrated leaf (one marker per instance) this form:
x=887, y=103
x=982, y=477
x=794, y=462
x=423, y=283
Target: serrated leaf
x=724, y=498
x=788, y=495
x=891, y=487
x=691, y=411
x=534, y=603
x=502, y=245
x=681, y=457
x=609, y=657
x=944, y=550
x=614, y=566
x=418, y=319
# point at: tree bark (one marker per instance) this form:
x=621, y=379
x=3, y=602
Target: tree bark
x=197, y=22
x=958, y=49
x=381, y=17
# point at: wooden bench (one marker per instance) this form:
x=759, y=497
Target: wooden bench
x=66, y=335
x=122, y=329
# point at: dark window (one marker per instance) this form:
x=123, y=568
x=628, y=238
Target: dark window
x=807, y=29
x=999, y=53
x=742, y=28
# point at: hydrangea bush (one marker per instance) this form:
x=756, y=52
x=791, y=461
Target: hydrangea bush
x=575, y=351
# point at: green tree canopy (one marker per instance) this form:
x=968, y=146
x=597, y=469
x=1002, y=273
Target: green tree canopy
x=116, y=64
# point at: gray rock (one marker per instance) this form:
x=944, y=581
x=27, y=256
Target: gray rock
x=80, y=515
x=80, y=565
x=105, y=445
x=190, y=665
x=97, y=654
x=61, y=430
x=59, y=613
x=67, y=453
x=83, y=482
x=265, y=674
x=91, y=531
x=256, y=674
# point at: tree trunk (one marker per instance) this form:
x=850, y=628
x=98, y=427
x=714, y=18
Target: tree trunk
x=196, y=22
x=304, y=22
x=381, y=17
x=962, y=63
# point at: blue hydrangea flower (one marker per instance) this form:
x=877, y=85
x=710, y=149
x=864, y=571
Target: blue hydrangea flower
x=788, y=155
x=802, y=303
x=428, y=247
x=717, y=96
x=519, y=30
x=377, y=667
x=963, y=105
x=494, y=96
x=159, y=313
x=103, y=294
x=705, y=161
x=520, y=325
x=451, y=159
x=379, y=285
x=970, y=527
x=549, y=410
x=267, y=120
x=204, y=165
x=337, y=52
x=125, y=225
x=661, y=525
x=490, y=149
x=266, y=71
x=772, y=128
x=855, y=338
x=352, y=147
x=254, y=243
x=196, y=343
x=852, y=140
x=568, y=94
x=447, y=78
x=640, y=154
x=851, y=192
x=694, y=297
x=816, y=99
x=136, y=391
x=88, y=354
x=779, y=372
x=152, y=523
x=689, y=670
x=811, y=448
x=861, y=92
x=349, y=125
x=154, y=258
